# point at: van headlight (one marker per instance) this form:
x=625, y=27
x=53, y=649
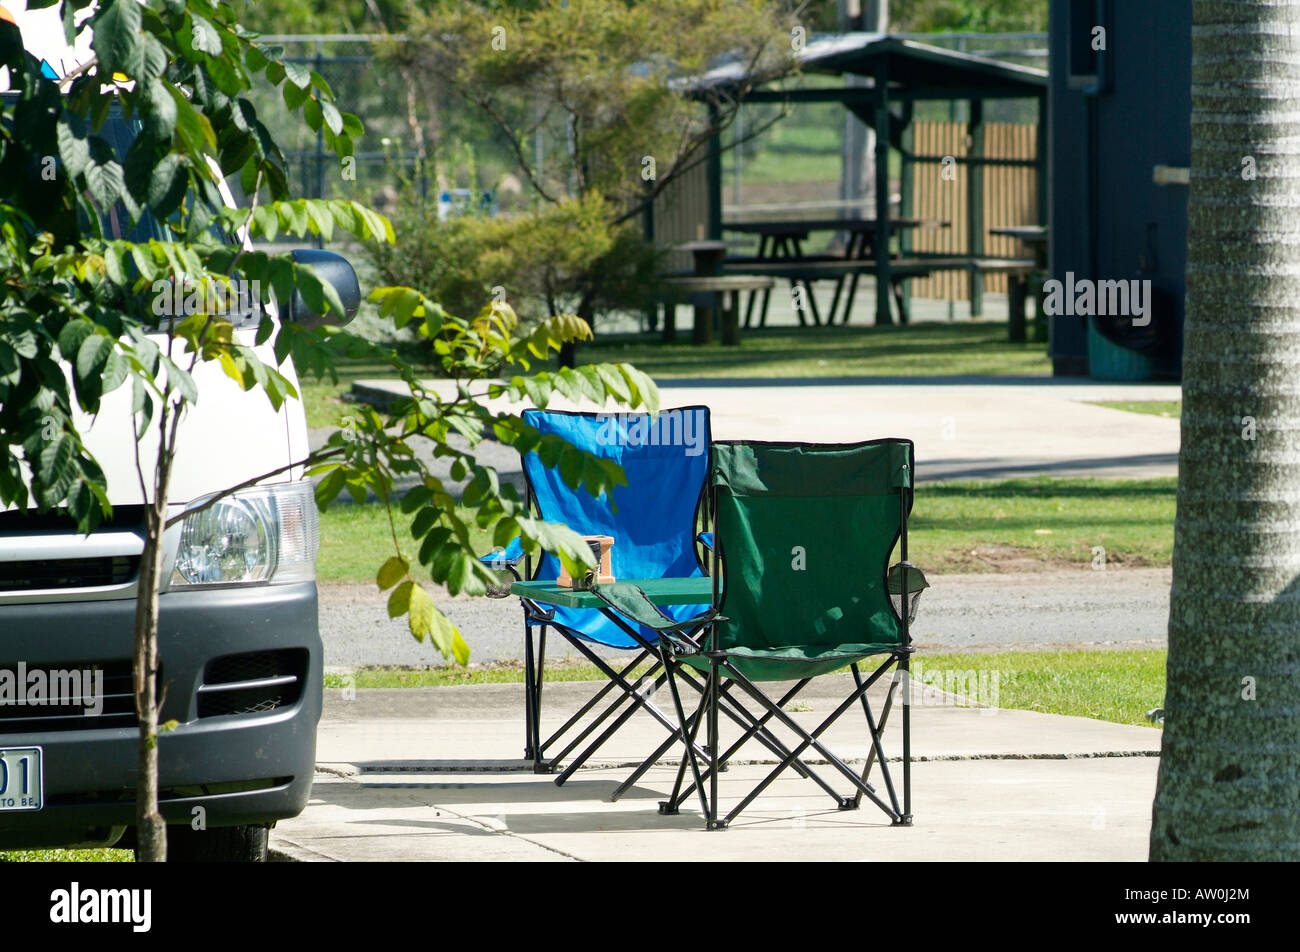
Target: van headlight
x=267, y=534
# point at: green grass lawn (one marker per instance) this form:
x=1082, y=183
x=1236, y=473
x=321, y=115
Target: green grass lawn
x=356, y=540
x=929, y=350
x=955, y=527
x=976, y=526
x=1119, y=686
x=448, y=676
x=66, y=856
x=1162, y=408
x=323, y=399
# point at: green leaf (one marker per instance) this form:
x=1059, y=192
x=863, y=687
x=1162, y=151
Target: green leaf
x=294, y=97
x=614, y=382
x=459, y=649
x=424, y=520
x=333, y=119
x=72, y=336
x=322, y=220
x=318, y=81
x=162, y=108
x=254, y=58
x=204, y=36
x=73, y=149
x=180, y=380
x=421, y=620
x=55, y=462
x=353, y=126
x=329, y=487
x=153, y=58
x=92, y=353
x=571, y=465
x=193, y=128
x=167, y=184
x=224, y=75
x=392, y=572
x=117, y=42
x=297, y=74
x=399, y=603
x=105, y=182
x=266, y=221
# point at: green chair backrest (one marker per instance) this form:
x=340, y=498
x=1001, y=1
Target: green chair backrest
x=805, y=533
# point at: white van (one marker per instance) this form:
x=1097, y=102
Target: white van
x=238, y=639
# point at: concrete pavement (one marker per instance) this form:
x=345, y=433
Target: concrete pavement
x=963, y=427
x=434, y=774
x=1118, y=607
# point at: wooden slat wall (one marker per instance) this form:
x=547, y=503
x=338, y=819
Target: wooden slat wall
x=1010, y=198
x=681, y=214
x=934, y=196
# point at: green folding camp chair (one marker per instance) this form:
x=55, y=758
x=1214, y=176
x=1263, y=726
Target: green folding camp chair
x=803, y=587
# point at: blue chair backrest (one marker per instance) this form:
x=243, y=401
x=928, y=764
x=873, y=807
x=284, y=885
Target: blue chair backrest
x=652, y=518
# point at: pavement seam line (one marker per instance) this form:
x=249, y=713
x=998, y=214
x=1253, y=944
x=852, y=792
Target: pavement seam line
x=509, y=832
x=293, y=847
x=362, y=773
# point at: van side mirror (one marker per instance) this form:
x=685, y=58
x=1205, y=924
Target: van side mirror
x=333, y=269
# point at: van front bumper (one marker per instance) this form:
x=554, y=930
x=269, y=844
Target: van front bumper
x=243, y=750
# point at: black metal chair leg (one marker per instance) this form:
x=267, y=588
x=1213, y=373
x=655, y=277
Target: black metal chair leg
x=531, y=751
x=877, y=750
x=880, y=730
x=906, y=818
x=687, y=741
x=714, y=765
x=672, y=805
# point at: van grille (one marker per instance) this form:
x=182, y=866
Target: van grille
x=118, y=700
x=252, y=683
x=37, y=574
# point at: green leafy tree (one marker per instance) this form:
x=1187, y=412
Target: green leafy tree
x=561, y=258
x=322, y=16
x=968, y=16
x=77, y=320
x=1230, y=757
x=603, y=80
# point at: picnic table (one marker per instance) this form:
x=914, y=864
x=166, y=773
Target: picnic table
x=711, y=291
x=783, y=241
x=900, y=269
x=1036, y=237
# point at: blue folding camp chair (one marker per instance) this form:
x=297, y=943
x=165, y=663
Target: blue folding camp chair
x=652, y=520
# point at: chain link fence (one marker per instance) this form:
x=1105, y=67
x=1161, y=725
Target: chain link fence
x=387, y=155
x=389, y=152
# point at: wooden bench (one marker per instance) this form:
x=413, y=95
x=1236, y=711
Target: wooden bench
x=1018, y=271
x=900, y=269
x=716, y=290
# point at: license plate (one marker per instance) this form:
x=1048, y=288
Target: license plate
x=22, y=780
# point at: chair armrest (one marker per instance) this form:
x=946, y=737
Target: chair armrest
x=631, y=602
x=511, y=556
x=916, y=580
x=916, y=584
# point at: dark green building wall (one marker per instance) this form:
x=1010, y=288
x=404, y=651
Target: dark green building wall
x=1109, y=220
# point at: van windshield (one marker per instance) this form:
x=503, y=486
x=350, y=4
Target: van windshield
x=119, y=132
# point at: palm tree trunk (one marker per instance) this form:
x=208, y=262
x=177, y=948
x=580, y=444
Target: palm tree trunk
x=1229, y=784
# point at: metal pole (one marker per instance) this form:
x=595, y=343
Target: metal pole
x=319, y=241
